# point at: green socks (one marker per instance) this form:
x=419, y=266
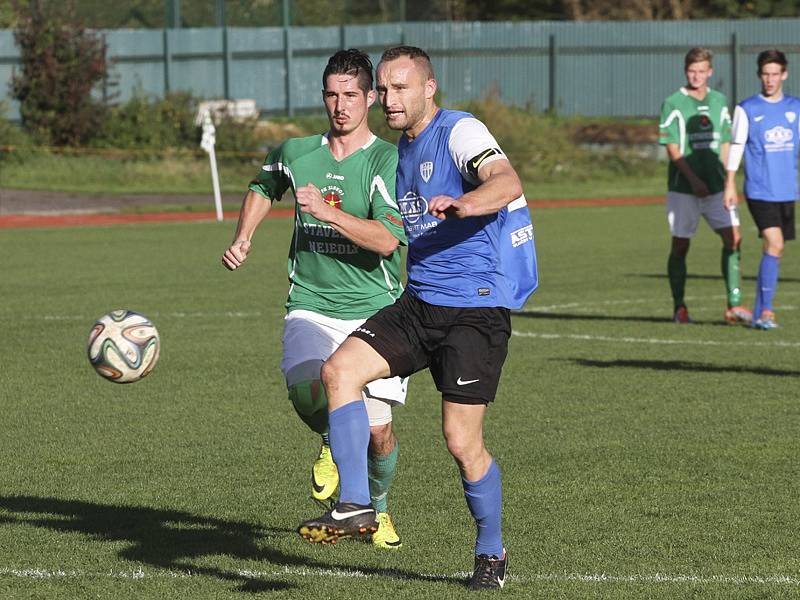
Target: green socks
x=730, y=271
x=676, y=269
x=381, y=472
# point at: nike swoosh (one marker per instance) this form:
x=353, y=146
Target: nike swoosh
x=477, y=162
x=467, y=382
x=340, y=516
x=757, y=119
x=317, y=488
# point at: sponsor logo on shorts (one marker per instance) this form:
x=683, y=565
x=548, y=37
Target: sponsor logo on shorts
x=365, y=331
x=484, y=291
x=460, y=381
x=522, y=235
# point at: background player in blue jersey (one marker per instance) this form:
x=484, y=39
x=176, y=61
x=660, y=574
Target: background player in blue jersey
x=470, y=259
x=766, y=128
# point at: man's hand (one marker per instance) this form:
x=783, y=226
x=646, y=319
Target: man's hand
x=236, y=254
x=447, y=207
x=310, y=201
x=699, y=188
x=730, y=199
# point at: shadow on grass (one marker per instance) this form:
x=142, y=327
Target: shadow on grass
x=589, y=317
x=681, y=365
x=630, y=318
x=172, y=539
x=707, y=277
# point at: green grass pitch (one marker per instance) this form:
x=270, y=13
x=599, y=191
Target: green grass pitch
x=640, y=459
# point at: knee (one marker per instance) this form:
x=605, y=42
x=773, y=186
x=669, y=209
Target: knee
x=381, y=438
x=466, y=452
x=331, y=374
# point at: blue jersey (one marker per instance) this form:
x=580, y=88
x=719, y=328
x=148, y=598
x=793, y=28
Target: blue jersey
x=771, y=148
x=478, y=261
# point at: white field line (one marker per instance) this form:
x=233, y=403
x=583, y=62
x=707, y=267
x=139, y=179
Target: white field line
x=654, y=341
x=659, y=578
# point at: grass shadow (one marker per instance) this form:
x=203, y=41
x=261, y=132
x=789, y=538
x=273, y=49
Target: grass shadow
x=681, y=365
x=172, y=540
x=706, y=277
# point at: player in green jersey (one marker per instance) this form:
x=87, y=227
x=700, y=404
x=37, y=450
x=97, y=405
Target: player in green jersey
x=696, y=129
x=344, y=263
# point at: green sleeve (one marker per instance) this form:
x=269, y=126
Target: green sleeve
x=725, y=135
x=669, y=126
x=272, y=180
x=383, y=198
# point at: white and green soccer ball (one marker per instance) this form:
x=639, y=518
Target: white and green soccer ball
x=123, y=346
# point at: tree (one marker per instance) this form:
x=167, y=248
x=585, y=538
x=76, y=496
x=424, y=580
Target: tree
x=61, y=65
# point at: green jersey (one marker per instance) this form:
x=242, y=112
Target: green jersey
x=698, y=127
x=328, y=273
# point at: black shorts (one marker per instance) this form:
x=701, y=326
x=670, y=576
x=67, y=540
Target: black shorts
x=773, y=214
x=464, y=348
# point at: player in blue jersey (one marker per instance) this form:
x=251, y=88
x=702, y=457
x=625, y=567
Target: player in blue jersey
x=471, y=258
x=766, y=128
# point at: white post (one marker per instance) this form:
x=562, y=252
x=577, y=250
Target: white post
x=207, y=144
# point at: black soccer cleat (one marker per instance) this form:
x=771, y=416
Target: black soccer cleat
x=344, y=520
x=490, y=572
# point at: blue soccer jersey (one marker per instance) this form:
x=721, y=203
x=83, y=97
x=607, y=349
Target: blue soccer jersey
x=478, y=261
x=769, y=131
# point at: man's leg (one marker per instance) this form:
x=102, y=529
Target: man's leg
x=462, y=425
x=676, y=270
x=767, y=282
x=384, y=450
x=729, y=264
x=344, y=375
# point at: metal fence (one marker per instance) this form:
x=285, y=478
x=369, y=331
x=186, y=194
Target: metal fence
x=589, y=68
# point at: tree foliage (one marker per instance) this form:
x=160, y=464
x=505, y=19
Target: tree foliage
x=61, y=63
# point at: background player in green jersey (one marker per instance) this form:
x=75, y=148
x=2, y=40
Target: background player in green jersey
x=696, y=129
x=344, y=262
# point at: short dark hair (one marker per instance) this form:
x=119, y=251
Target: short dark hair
x=696, y=55
x=773, y=55
x=350, y=62
x=418, y=55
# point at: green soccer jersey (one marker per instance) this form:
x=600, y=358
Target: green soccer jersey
x=698, y=127
x=329, y=274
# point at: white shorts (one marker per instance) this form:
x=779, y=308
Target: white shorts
x=684, y=211
x=309, y=338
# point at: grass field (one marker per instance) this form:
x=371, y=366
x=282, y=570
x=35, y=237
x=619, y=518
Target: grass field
x=640, y=459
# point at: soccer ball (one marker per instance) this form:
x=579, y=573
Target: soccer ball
x=123, y=346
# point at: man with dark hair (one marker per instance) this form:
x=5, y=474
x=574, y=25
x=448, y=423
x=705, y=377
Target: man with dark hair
x=695, y=128
x=471, y=259
x=766, y=128
x=344, y=264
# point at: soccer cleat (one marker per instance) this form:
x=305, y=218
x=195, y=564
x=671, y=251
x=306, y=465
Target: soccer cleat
x=324, y=475
x=738, y=314
x=766, y=321
x=386, y=536
x=681, y=316
x=489, y=573
x=344, y=520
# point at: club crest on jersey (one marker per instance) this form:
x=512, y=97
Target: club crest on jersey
x=426, y=170
x=412, y=207
x=791, y=116
x=332, y=195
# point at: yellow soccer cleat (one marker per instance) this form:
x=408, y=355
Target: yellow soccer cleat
x=386, y=536
x=324, y=475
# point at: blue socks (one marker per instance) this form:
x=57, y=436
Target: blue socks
x=348, y=428
x=766, y=284
x=485, y=501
